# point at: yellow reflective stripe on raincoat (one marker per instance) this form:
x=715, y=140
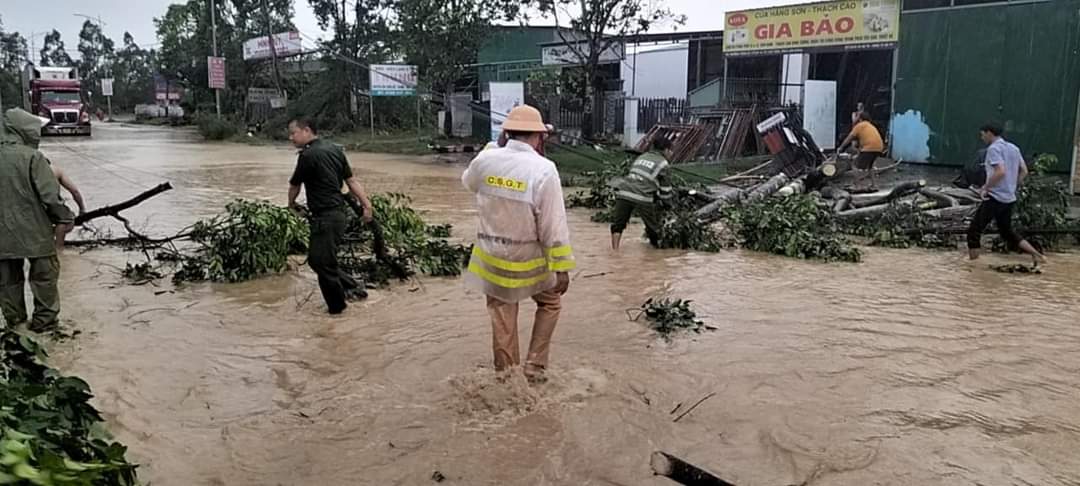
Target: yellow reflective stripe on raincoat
x=508, y=265
x=506, y=282
x=562, y=266
x=560, y=251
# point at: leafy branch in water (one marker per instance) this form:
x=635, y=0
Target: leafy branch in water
x=682, y=230
x=250, y=239
x=668, y=316
x=1042, y=203
x=411, y=244
x=900, y=226
x=598, y=194
x=49, y=432
x=793, y=226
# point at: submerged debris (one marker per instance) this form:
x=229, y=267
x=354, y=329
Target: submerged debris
x=255, y=238
x=1017, y=268
x=668, y=316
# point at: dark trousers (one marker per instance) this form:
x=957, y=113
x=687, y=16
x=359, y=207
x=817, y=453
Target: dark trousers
x=44, y=276
x=624, y=209
x=998, y=212
x=327, y=230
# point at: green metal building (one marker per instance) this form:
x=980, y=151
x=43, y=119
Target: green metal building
x=962, y=63
x=511, y=53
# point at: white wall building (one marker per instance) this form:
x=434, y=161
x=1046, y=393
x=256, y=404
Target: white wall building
x=661, y=71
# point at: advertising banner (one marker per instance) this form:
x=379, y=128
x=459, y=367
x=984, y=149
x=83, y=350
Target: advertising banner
x=841, y=25
x=215, y=68
x=565, y=55
x=285, y=44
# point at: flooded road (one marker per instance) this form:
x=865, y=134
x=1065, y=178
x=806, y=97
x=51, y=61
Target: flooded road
x=912, y=367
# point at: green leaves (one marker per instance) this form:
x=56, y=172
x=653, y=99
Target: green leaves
x=682, y=230
x=793, y=226
x=411, y=244
x=1043, y=203
x=668, y=316
x=251, y=239
x=49, y=432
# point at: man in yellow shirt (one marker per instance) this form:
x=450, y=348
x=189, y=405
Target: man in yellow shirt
x=870, y=144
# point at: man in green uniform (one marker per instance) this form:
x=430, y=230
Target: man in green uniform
x=321, y=169
x=636, y=192
x=30, y=207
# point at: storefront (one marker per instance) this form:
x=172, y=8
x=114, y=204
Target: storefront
x=832, y=56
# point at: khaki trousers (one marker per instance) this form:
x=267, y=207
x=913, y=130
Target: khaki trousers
x=504, y=317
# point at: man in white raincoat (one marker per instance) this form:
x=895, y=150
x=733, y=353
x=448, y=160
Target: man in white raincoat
x=523, y=243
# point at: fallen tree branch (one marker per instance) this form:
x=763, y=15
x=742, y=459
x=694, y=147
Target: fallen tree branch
x=943, y=200
x=767, y=188
x=127, y=240
x=692, y=407
x=747, y=172
x=113, y=210
x=683, y=472
x=904, y=189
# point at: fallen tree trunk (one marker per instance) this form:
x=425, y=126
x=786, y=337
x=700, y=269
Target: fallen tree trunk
x=767, y=188
x=904, y=189
x=960, y=212
x=963, y=196
x=863, y=213
x=708, y=212
x=941, y=199
x=682, y=472
x=114, y=210
x=797, y=186
x=841, y=200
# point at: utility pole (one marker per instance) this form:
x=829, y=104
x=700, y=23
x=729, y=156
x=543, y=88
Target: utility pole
x=213, y=43
x=273, y=48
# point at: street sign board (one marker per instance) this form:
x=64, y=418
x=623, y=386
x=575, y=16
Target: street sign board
x=393, y=80
x=504, y=97
x=821, y=26
x=106, y=86
x=215, y=66
x=285, y=44
x=568, y=55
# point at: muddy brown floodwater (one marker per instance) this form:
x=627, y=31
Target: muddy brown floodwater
x=912, y=367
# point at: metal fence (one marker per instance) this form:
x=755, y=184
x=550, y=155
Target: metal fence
x=652, y=112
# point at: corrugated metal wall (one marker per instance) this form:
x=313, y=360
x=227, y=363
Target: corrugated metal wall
x=1017, y=64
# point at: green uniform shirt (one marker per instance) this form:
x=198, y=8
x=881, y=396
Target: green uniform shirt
x=29, y=193
x=321, y=168
x=648, y=177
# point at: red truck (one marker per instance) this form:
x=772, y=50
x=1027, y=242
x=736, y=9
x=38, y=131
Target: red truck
x=56, y=93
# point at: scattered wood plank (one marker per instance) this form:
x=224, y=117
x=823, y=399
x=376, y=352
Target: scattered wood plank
x=682, y=472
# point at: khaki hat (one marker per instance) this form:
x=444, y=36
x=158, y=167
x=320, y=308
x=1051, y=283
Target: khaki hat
x=524, y=118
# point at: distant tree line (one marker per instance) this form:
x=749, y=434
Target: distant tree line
x=441, y=37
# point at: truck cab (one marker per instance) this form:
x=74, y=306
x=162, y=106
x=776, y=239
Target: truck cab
x=56, y=93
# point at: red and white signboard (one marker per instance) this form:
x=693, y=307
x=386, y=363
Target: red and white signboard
x=215, y=66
